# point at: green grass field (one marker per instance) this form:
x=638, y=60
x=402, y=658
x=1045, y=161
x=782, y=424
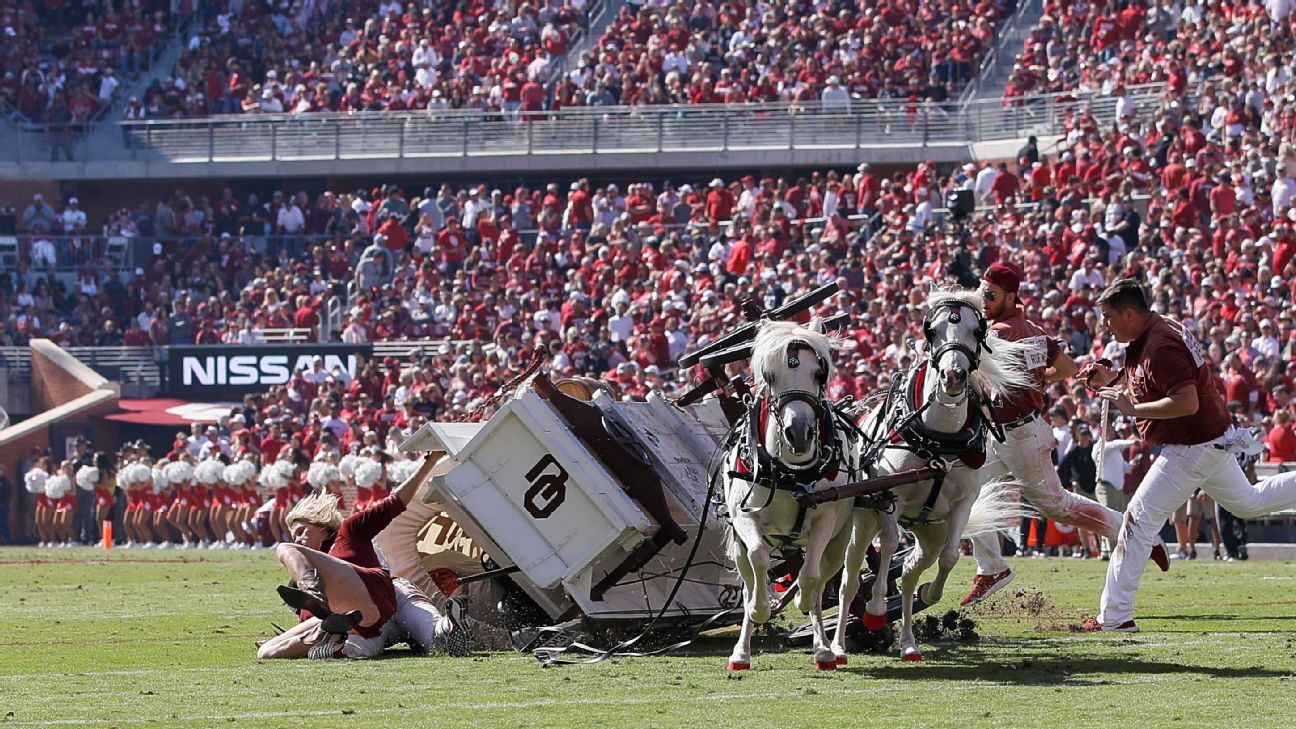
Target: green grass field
x=165, y=639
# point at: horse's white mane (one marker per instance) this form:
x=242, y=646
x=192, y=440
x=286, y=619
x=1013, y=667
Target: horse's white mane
x=769, y=353
x=1003, y=368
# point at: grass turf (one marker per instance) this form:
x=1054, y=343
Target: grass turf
x=131, y=638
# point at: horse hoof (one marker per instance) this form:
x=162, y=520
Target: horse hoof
x=911, y=657
x=739, y=665
x=875, y=623
x=841, y=660
x=826, y=665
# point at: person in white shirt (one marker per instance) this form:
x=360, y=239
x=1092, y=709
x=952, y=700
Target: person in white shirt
x=291, y=219
x=835, y=99
x=1087, y=275
x=1109, y=455
x=1267, y=344
x=985, y=182
x=74, y=218
x=1284, y=190
x=108, y=84
x=621, y=326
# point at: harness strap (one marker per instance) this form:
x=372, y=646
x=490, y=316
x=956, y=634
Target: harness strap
x=924, y=514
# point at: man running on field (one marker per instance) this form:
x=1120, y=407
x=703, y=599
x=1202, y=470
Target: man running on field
x=1172, y=391
x=1027, y=450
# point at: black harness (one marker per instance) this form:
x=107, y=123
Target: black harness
x=758, y=467
x=899, y=426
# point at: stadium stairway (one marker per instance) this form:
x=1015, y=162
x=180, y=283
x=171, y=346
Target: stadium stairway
x=994, y=73
x=107, y=133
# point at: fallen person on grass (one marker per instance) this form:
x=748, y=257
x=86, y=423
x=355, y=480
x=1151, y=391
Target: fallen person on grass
x=344, y=594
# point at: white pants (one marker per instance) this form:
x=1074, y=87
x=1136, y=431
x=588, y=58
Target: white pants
x=1174, y=475
x=415, y=619
x=1026, y=454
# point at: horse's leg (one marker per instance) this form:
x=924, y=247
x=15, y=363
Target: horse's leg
x=861, y=531
x=740, y=659
x=920, y=559
x=836, y=532
x=949, y=555
x=753, y=567
x=876, y=610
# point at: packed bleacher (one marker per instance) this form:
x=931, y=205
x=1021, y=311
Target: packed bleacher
x=366, y=56
x=64, y=62
x=375, y=56
x=711, y=52
x=1107, y=46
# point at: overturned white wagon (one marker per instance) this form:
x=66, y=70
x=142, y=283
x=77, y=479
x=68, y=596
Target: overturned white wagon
x=590, y=506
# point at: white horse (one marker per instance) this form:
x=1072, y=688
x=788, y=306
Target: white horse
x=932, y=417
x=789, y=442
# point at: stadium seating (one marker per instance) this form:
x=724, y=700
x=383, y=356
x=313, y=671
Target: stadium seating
x=59, y=65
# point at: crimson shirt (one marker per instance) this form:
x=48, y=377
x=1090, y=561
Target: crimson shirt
x=1159, y=361
x=1043, y=352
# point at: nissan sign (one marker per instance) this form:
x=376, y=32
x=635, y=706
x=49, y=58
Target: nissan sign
x=229, y=372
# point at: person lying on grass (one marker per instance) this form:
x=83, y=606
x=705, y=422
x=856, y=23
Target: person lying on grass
x=344, y=594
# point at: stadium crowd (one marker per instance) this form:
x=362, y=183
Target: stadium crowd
x=513, y=57
x=59, y=62
x=1196, y=198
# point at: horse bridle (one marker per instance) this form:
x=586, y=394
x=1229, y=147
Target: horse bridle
x=955, y=307
x=825, y=458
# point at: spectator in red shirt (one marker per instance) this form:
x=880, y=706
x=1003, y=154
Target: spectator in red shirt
x=1281, y=440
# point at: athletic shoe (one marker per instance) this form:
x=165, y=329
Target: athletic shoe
x=452, y=634
x=984, y=586
x=1091, y=625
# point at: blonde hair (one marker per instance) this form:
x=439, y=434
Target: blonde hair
x=320, y=509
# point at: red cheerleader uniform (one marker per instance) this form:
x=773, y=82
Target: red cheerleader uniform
x=353, y=543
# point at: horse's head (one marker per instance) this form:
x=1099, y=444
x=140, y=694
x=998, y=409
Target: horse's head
x=791, y=365
x=955, y=332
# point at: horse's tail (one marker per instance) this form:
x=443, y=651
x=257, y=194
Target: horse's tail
x=997, y=508
x=731, y=542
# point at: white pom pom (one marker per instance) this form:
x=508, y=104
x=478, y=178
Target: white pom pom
x=239, y=473
x=367, y=474
x=125, y=474
x=35, y=480
x=58, y=486
x=271, y=478
x=160, y=481
x=143, y=474
x=316, y=474
x=87, y=477
x=209, y=472
x=347, y=465
x=399, y=471
x=179, y=472
x=285, y=469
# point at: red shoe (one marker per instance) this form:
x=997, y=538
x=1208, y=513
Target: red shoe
x=1091, y=625
x=986, y=585
x=1160, y=556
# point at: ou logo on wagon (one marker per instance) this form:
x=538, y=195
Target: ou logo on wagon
x=548, y=490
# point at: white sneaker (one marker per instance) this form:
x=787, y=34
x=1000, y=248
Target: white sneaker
x=148, y=545
x=256, y=546
x=165, y=545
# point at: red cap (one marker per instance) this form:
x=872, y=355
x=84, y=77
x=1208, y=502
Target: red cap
x=1004, y=275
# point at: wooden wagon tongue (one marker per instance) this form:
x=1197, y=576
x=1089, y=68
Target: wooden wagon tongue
x=747, y=332
x=737, y=344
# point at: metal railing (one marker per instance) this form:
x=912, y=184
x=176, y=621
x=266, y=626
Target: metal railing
x=589, y=130
x=70, y=253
